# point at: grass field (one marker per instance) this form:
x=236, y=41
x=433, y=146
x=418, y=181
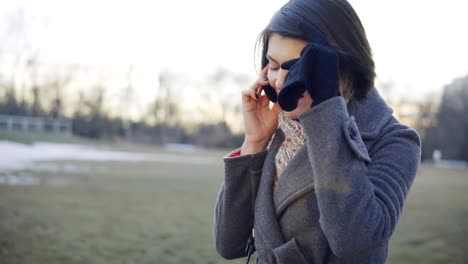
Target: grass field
x=153, y=212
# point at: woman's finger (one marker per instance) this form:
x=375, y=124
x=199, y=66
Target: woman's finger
x=264, y=101
x=264, y=72
x=255, y=91
x=250, y=93
x=257, y=87
x=262, y=78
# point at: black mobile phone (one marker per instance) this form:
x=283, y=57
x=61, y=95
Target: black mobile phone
x=270, y=92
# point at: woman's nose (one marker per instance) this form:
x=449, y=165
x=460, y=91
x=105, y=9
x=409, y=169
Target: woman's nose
x=272, y=79
x=280, y=77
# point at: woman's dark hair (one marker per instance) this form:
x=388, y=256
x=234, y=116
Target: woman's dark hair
x=340, y=24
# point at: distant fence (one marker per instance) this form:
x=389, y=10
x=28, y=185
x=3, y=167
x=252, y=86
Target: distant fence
x=38, y=124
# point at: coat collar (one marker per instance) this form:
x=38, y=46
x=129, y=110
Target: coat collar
x=371, y=113
x=299, y=180
x=267, y=228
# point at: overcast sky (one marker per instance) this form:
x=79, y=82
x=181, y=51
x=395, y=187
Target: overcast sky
x=420, y=44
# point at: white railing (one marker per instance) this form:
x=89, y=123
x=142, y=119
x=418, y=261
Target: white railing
x=39, y=124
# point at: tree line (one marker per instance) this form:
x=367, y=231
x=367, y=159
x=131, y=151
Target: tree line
x=25, y=89
x=162, y=124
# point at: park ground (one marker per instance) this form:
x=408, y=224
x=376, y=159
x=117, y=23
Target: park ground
x=161, y=211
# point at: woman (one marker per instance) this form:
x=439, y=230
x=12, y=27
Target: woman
x=323, y=174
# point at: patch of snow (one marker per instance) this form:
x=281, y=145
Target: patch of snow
x=21, y=179
x=187, y=148
x=17, y=156
x=451, y=164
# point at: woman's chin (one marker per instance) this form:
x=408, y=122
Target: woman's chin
x=292, y=115
x=303, y=104
x=296, y=112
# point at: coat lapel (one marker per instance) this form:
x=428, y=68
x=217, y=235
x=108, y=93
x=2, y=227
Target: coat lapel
x=296, y=180
x=267, y=228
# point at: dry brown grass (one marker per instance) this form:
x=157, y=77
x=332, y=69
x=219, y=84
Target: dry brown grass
x=161, y=213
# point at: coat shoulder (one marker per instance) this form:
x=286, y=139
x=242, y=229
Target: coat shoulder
x=394, y=129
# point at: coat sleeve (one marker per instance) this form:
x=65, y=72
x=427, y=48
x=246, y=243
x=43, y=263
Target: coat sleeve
x=233, y=216
x=360, y=194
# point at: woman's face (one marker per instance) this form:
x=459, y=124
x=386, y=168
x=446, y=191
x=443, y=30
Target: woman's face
x=280, y=50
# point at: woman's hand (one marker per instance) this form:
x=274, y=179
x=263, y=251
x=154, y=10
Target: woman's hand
x=260, y=122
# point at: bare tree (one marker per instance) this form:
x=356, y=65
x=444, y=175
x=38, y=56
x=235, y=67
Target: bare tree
x=449, y=133
x=165, y=107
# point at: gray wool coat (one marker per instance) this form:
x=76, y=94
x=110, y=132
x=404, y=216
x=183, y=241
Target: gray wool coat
x=339, y=198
